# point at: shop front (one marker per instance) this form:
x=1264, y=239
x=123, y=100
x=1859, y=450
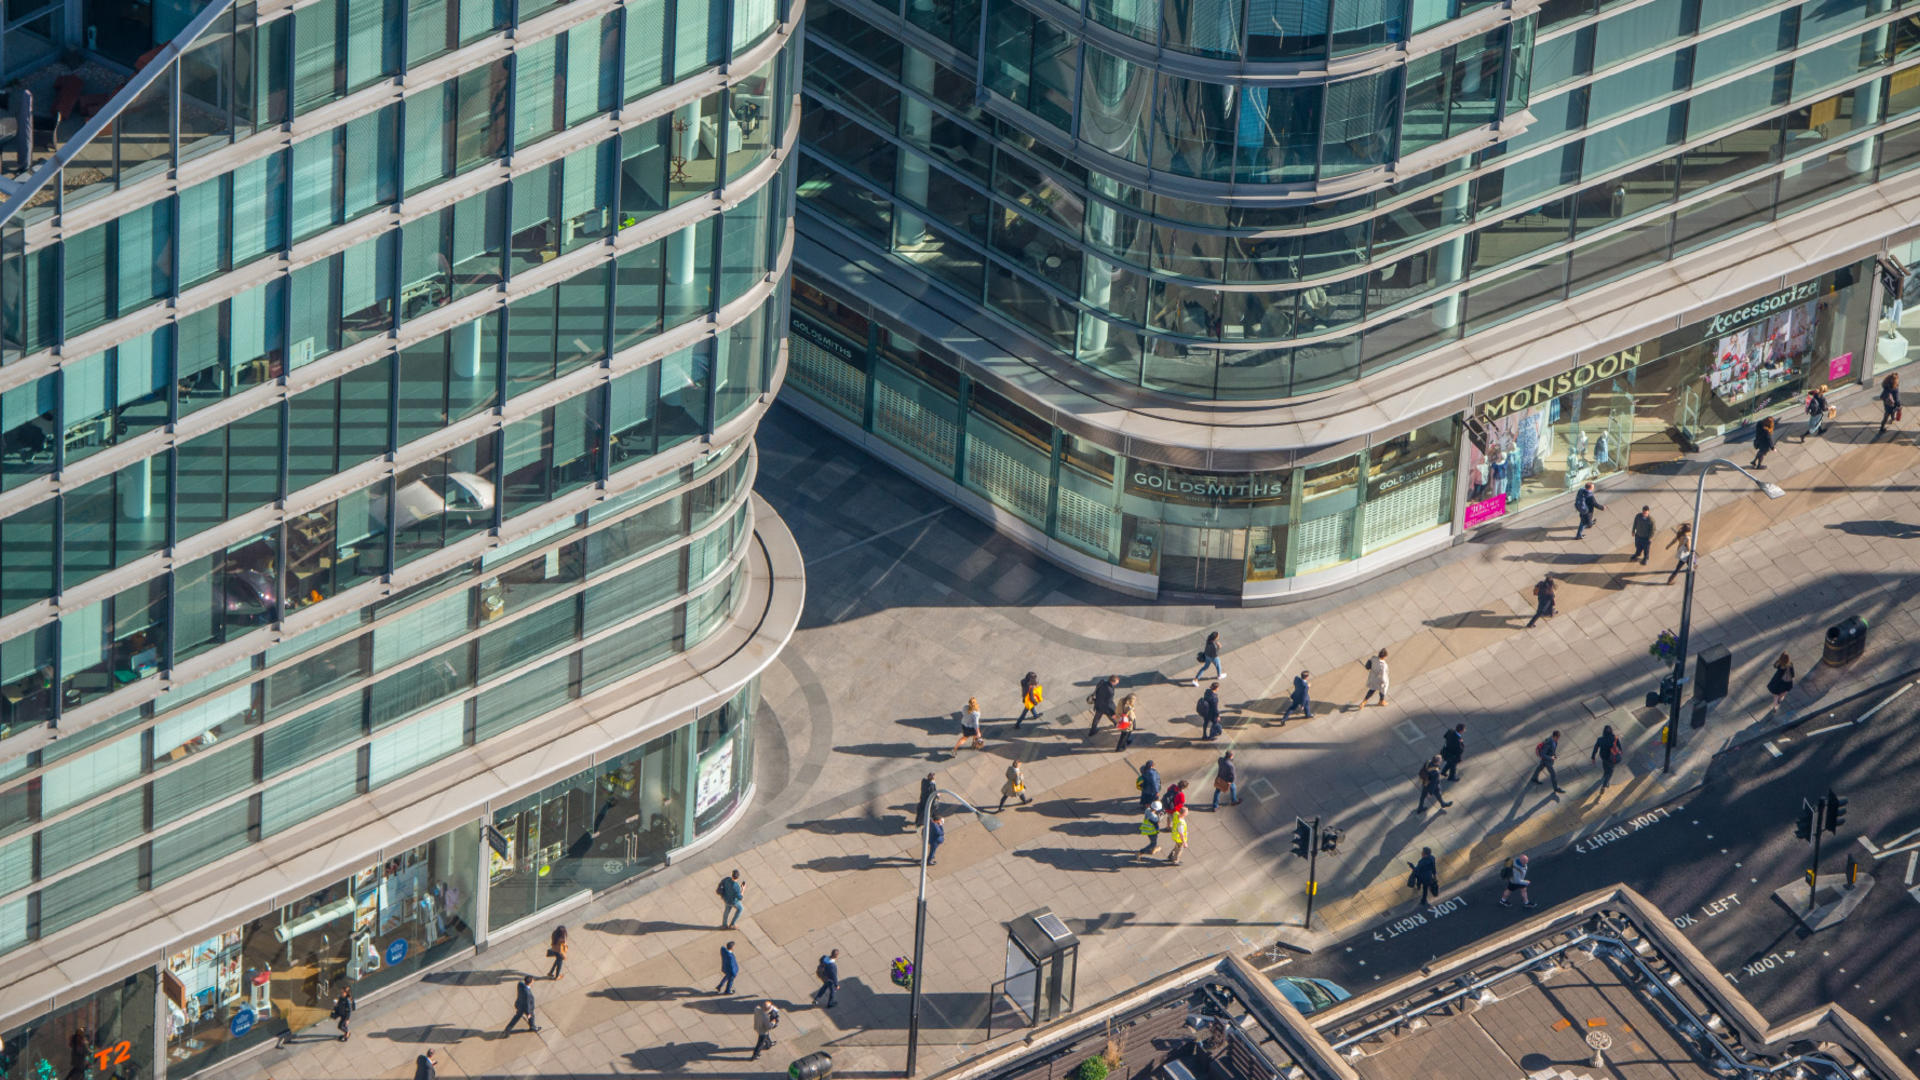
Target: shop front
x=1665, y=397
x=279, y=975
x=107, y=1035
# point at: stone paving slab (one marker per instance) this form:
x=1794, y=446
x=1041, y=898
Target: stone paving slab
x=903, y=623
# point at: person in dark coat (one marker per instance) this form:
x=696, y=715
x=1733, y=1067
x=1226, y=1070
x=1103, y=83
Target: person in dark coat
x=729, y=969
x=1209, y=709
x=1584, y=504
x=1782, y=681
x=936, y=835
x=1030, y=693
x=1642, y=535
x=1543, y=596
x=425, y=1067
x=1430, y=785
x=1149, y=785
x=1453, y=747
x=1104, y=705
x=929, y=788
x=1225, y=781
x=1301, y=698
x=1606, y=751
x=1817, y=409
x=522, y=1005
x=1544, y=755
x=828, y=972
x=343, y=1012
x=1426, y=877
x=1889, y=400
x=1762, y=442
x=557, y=949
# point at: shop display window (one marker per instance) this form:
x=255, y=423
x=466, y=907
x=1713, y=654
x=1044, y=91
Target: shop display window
x=107, y=1035
x=1409, y=485
x=280, y=975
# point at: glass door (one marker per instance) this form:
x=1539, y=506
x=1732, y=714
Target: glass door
x=1201, y=559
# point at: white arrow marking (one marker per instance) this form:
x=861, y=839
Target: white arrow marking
x=1913, y=863
x=1772, y=749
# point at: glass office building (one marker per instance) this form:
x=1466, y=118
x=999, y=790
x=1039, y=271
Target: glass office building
x=379, y=566
x=1253, y=297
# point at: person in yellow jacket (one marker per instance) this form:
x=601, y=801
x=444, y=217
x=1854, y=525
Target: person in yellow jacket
x=1030, y=697
x=1150, y=828
x=1179, y=837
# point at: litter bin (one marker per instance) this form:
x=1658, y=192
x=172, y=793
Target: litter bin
x=815, y=1066
x=1846, y=641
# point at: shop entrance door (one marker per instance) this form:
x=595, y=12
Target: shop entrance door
x=1197, y=559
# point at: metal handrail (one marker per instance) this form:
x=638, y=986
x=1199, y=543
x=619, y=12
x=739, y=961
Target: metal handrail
x=124, y=97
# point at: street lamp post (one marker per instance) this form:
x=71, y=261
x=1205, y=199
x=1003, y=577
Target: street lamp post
x=920, y=915
x=1679, y=677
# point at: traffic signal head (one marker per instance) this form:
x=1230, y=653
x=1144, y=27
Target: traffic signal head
x=1803, y=828
x=1329, y=840
x=1836, y=815
x=1302, y=838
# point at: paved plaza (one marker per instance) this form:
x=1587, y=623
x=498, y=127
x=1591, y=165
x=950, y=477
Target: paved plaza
x=913, y=606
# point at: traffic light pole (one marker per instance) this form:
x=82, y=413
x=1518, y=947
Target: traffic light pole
x=1813, y=875
x=1313, y=882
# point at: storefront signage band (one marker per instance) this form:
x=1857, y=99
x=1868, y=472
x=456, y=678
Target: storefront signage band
x=1760, y=309
x=1212, y=489
x=822, y=339
x=1546, y=390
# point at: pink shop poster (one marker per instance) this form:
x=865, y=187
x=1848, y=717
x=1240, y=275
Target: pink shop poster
x=1839, y=367
x=1485, y=510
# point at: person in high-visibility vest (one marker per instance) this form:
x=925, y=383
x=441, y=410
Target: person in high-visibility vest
x=1179, y=837
x=1150, y=828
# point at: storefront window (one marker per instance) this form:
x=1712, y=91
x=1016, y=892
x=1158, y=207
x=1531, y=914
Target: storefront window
x=590, y=831
x=107, y=1035
x=1898, y=341
x=1409, y=485
x=1328, y=494
x=1088, y=516
x=280, y=975
x=724, y=745
x=1532, y=443
x=1009, y=455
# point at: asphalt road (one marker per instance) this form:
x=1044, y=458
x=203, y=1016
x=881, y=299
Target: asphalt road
x=1712, y=861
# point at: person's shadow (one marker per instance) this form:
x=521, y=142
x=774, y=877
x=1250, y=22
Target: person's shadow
x=1897, y=530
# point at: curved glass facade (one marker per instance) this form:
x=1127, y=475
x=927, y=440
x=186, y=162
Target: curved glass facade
x=1156, y=285
x=417, y=411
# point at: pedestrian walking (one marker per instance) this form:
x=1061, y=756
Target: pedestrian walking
x=1102, y=700
x=936, y=835
x=1762, y=442
x=766, y=1017
x=733, y=899
x=1514, y=876
x=1208, y=708
x=426, y=1066
x=1453, y=747
x=1642, y=535
x=1150, y=828
x=1031, y=694
x=1209, y=657
x=1782, y=681
x=1376, y=678
x=1016, y=785
x=557, y=949
x=929, y=788
x=1545, y=752
x=970, y=726
x=1817, y=410
x=1430, y=785
x=1225, y=781
x=343, y=1012
x=1148, y=785
x=1682, y=539
x=1175, y=799
x=1126, y=720
x=1543, y=598
x=1425, y=876
x=1889, y=401
x=828, y=972
x=522, y=1005
x=1179, y=828
x=1301, y=698
x=1606, y=751
x=1584, y=504
x=729, y=969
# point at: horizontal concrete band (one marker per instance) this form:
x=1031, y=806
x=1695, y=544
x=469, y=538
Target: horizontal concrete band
x=254, y=882
x=1235, y=435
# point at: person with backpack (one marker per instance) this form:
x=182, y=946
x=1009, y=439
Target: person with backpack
x=1453, y=748
x=1430, y=785
x=1606, y=751
x=1544, y=754
x=1542, y=600
x=1148, y=785
x=828, y=972
x=1208, y=709
x=1030, y=697
x=1514, y=876
x=1584, y=504
x=343, y=1012
x=1817, y=410
x=1175, y=800
x=1425, y=876
x=1209, y=656
x=1376, y=678
x=1102, y=700
x=1301, y=698
x=766, y=1017
x=1889, y=401
x=732, y=892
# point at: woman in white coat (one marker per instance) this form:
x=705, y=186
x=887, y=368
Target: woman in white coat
x=1376, y=678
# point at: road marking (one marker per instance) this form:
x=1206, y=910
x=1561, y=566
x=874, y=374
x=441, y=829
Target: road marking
x=1895, y=696
x=1772, y=749
x=864, y=541
x=1830, y=727
x=1913, y=863
x=1868, y=844
x=1408, y=731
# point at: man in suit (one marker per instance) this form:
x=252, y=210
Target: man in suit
x=1104, y=704
x=425, y=1066
x=523, y=1005
x=1452, y=749
x=729, y=968
x=829, y=971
